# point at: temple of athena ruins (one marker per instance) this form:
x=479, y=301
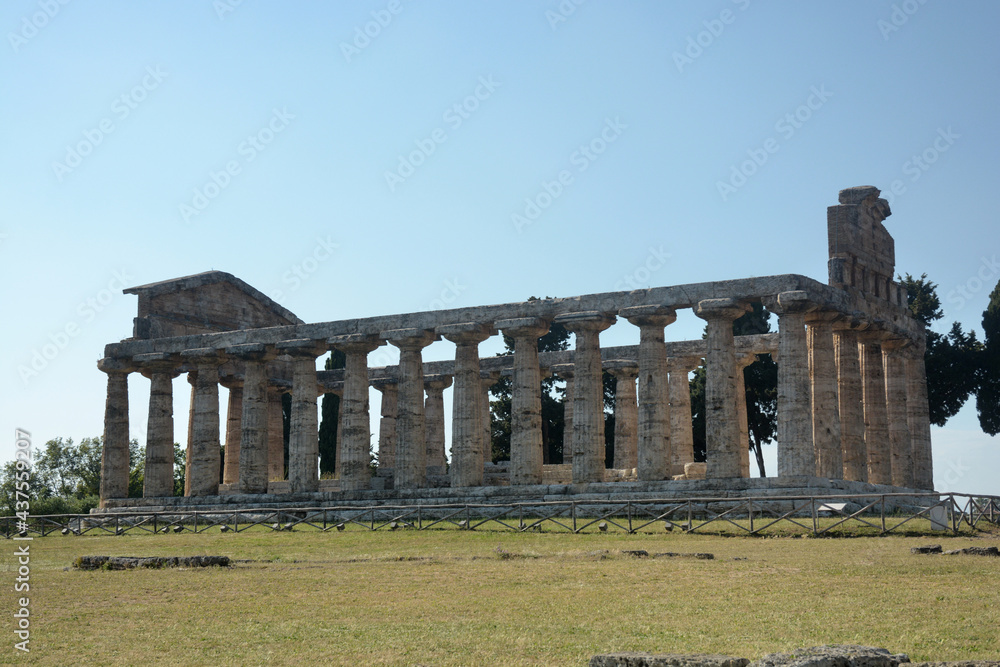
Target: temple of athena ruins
x=852, y=397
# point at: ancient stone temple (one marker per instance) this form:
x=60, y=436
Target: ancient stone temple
x=852, y=397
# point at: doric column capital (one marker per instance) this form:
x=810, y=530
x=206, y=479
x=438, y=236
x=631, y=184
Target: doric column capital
x=593, y=321
x=302, y=347
x=336, y=388
x=622, y=368
x=745, y=360
x=821, y=317
x=112, y=365
x=230, y=381
x=895, y=345
x=383, y=384
x=489, y=378
x=653, y=315
x=466, y=333
x=412, y=340
x=157, y=362
x=252, y=352
x=721, y=309
x=787, y=303
x=524, y=327
x=565, y=371
x=437, y=383
x=355, y=343
x=686, y=364
x=204, y=358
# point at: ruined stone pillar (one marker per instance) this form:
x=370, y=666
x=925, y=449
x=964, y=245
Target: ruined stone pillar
x=741, y=412
x=681, y=430
x=234, y=418
x=722, y=432
x=526, y=400
x=626, y=413
x=825, y=403
x=205, y=459
x=251, y=467
x=275, y=434
x=654, y=459
x=565, y=371
x=387, y=423
x=114, y=456
x=410, y=471
x=488, y=379
x=852, y=416
x=588, y=394
x=918, y=416
x=434, y=386
x=354, y=440
x=158, y=475
x=467, y=444
x=303, y=434
x=796, y=454
x=192, y=378
x=900, y=451
x=873, y=396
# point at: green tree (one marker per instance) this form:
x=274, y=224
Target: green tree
x=988, y=392
x=329, y=414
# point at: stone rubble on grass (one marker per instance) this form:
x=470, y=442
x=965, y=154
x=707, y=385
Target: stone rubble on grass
x=817, y=656
x=130, y=562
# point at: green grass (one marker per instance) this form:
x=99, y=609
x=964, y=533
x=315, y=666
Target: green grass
x=449, y=597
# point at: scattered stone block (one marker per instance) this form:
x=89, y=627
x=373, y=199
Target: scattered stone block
x=630, y=659
x=673, y=554
x=637, y=553
x=845, y=655
x=975, y=551
x=156, y=562
x=926, y=549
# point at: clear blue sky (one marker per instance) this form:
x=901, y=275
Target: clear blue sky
x=355, y=186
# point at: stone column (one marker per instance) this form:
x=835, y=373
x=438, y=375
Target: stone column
x=353, y=443
x=654, y=451
x=251, y=467
x=114, y=456
x=526, y=400
x=158, y=475
x=275, y=434
x=488, y=379
x=681, y=430
x=588, y=394
x=565, y=371
x=918, y=416
x=722, y=432
x=234, y=418
x=626, y=413
x=387, y=423
x=873, y=396
x=825, y=403
x=434, y=386
x=205, y=458
x=900, y=451
x=849, y=395
x=467, y=444
x=410, y=471
x=192, y=378
x=796, y=453
x=741, y=412
x=303, y=436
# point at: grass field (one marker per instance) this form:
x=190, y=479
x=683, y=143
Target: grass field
x=449, y=597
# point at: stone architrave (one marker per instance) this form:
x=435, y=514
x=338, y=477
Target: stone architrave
x=467, y=444
x=354, y=438
x=434, y=386
x=654, y=459
x=722, y=432
x=626, y=412
x=410, y=471
x=588, y=394
x=876, y=420
x=565, y=372
x=900, y=449
x=234, y=420
x=849, y=395
x=825, y=404
x=526, y=400
x=488, y=379
x=796, y=453
x=387, y=423
x=114, y=455
x=918, y=416
x=254, y=427
x=205, y=458
x=303, y=435
x=741, y=412
x=681, y=429
x=275, y=433
x=158, y=474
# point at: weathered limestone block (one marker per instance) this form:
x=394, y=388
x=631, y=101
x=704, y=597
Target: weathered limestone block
x=626, y=412
x=833, y=656
x=588, y=397
x=634, y=659
x=849, y=397
x=681, y=430
x=158, y=475
x=303, y=435
x=355, y=430
x=114, y=456
x=468, y=447
x=410, y=470
x=825, y=403
x=900, y=451
x=876, y=427
x=796, y=454
x=434, y=386
x=526, y=400
x=918, y=416
x=387, y=423
x=722, y=432
x=654, y=447
x=205, y=458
